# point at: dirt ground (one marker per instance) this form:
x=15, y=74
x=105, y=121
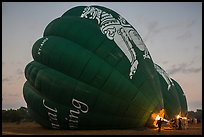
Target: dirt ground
x=32, y=128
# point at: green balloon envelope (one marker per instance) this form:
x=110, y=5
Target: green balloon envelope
x=173, y=96
x=182, y=98
x=171, y=99
x=91, y=70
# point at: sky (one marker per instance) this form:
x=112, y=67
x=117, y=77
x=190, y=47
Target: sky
x=172, y=32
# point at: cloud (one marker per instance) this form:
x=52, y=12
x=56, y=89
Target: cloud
x=184, y=36
x=19, y=71
x=7, y=79
x=13, y=94
x=164, y=62
x=12, y=78
x=190, y=24
x=153, y=29
x=198, y=47
x=183, y=68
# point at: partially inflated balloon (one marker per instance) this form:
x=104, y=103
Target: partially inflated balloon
x=182, y=98
x=170, y=95
x=91, y=70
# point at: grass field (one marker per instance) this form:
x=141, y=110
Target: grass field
x=32, y=128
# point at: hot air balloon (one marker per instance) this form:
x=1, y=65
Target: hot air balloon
x=170, y=96
x=182, y=98
x=91, y=70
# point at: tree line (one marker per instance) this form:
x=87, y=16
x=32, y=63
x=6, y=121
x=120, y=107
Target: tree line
x=19, y=115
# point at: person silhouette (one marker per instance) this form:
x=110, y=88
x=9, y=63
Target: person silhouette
x=159, y=123
x=179, y=124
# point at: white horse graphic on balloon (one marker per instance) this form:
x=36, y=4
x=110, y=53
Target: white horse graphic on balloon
x=123, y=34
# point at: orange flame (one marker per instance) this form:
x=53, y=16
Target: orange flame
x=179, y=116
x=156, y=117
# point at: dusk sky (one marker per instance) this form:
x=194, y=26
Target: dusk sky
x=171, y=31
